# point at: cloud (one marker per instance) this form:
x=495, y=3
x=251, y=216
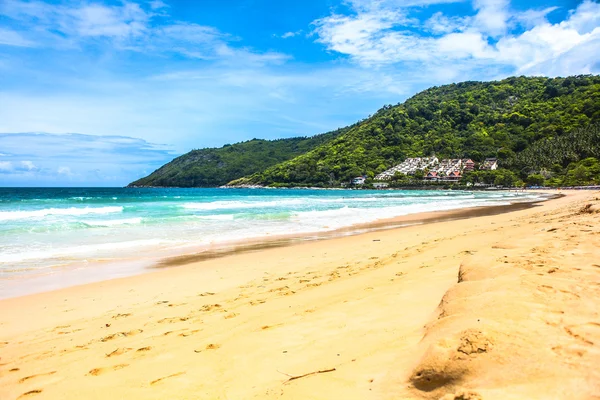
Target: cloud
x=128, y=26
x=11, y=38
x=438, y=23
x=288, y=35
x=157, y=5
x=64, y=171
x=492, y=16
x=530, y=18
x=6, y=166
x=50, y=158
x=379, y=35
x=28, y=166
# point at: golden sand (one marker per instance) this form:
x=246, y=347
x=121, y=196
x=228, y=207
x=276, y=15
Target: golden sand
x=495, y=307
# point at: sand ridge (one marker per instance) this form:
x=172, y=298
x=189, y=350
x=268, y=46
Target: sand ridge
x=493, y=307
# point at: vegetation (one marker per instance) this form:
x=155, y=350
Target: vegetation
x=540, y=129
x=557, y=152
x=580, y=173
x=468, y=120
x=215, y=167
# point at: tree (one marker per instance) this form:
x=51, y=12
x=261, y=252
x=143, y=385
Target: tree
x=535, y=180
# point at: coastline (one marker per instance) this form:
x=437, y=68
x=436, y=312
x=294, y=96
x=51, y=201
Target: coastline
x=361, y=314
x=99, y=270
x=384, y=224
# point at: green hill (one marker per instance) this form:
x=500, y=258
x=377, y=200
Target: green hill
x=217, y=166
x=470, y=119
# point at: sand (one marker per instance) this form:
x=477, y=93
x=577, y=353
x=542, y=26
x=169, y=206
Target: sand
x=493, y=307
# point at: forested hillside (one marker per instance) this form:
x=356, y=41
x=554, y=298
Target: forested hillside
x=467, y=120
x=217, y=166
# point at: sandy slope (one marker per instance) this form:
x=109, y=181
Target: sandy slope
x=496, y=307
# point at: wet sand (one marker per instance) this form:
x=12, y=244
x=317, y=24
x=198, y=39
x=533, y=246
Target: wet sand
x=495, y=307
x=226, y=249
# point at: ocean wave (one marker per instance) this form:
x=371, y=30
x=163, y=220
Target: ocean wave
x=236, y=204
x=347, y=216
x=72, y=211
x=113, y=222
x=219, y=217
x=86, y=250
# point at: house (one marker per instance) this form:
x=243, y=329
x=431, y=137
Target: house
x=468, y=165
x=408, y=167
x=359, y=180
x=432, y=176
x=489, y=164
x=454, y=176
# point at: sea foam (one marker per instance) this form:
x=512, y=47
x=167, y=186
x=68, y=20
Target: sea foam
x=12, y=215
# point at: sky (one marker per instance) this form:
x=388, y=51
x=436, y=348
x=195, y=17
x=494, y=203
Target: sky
x=100, y=93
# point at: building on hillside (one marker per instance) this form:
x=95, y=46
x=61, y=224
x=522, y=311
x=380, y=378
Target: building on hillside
x=448, y=165
x=468, y=165
x=490, y=164
x=454, y=176
x=432, y=176
x=408, y=167
x=359, y=180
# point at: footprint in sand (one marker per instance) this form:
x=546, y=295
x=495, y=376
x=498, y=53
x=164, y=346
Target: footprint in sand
x=210, y=307
x=25, y=379
x=154, y=382
x=121, y=334
x=100, y=371
x=119, y=351
x=31, y=392
x=211, y=346
x=173, y=320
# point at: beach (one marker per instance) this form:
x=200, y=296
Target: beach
x=489, y=307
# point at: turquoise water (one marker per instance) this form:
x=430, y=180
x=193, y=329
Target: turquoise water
x=119, y=231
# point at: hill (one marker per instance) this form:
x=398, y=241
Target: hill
x=217, y=166
x=465, y=120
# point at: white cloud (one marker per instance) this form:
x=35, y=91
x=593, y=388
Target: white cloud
x=157, y=4
x=49, y=159
x=586, y=18
x=547, y=43
x=28, y=165
x=370, y=5
x=465, y=45
x=438, y=23
x=6, y=166
x=11, y=38
x=128, y=20
x=288, y=35
x=531, y=18
x=127, y=26
x=374, y=36
x=368, y=37
x=64, y=171
x=492, y=16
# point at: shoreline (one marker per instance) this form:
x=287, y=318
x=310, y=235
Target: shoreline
x=121, y=268
x=403, y=221
x=498, y=306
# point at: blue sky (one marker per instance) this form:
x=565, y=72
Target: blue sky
x=99, y=93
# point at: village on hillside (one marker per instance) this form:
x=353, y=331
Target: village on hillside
x=433, y=169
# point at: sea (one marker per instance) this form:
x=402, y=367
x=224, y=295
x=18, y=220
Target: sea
x=57, y=237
